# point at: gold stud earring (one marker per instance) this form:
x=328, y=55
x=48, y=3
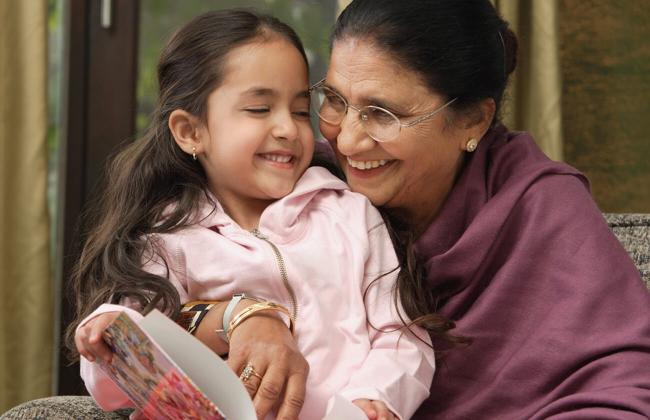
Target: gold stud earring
x=194, y=153
x=471, y=144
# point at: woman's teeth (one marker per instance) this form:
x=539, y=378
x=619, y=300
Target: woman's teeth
x=368, y=164
x=278, y=158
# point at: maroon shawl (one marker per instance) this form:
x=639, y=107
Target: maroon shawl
x=558, y=313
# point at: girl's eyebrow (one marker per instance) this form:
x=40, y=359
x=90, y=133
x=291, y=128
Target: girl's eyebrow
x=259, y=91
x=268, y=92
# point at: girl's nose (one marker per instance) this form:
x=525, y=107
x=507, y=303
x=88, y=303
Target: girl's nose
x=285, y=127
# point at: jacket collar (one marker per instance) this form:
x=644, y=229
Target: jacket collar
x=282, y=216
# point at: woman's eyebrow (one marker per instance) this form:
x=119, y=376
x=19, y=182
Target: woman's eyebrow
x=382, y=103
x=372, y=100
x=327, y=85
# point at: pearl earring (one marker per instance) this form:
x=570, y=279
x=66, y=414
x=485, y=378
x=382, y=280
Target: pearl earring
x=194, y=153
x=471, y=145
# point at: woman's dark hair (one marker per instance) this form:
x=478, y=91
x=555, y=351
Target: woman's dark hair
x=152, y=173
x=461, y=49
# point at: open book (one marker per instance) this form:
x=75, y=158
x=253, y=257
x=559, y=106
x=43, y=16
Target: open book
x=169, y=374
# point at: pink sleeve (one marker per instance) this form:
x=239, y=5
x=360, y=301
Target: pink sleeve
x=107, y=395
x=400, y=365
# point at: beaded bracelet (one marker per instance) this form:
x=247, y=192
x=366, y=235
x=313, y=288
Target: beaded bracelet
x=257, y=307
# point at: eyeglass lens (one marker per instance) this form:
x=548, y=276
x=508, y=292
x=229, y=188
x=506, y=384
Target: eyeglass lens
x=331, y=108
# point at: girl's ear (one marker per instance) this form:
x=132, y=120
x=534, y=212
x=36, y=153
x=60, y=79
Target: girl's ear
x=185, y=129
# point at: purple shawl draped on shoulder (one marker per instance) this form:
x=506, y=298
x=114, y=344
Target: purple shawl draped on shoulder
x=558, y=313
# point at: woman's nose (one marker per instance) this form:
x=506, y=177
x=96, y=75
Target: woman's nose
x=352, y=137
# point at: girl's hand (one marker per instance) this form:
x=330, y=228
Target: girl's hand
x=265, y=342
x=89, y=341
x=375, y=410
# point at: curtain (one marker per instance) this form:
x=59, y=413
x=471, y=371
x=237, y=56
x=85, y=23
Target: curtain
x=26, y=312
x=534, y=97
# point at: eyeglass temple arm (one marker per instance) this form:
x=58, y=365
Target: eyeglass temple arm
x=424, y=117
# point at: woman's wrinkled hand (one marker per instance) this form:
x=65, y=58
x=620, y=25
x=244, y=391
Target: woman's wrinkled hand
x=89, y=341
x=280, y=371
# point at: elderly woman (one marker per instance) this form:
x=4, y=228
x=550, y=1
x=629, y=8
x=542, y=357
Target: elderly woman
x=551, y=317
x=513, y=248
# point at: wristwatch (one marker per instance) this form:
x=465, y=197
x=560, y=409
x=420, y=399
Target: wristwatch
x=227, y=314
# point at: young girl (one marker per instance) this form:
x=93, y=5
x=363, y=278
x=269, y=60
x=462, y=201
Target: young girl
x=218, y=199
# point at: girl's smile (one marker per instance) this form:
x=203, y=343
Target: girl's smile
x=257, y=140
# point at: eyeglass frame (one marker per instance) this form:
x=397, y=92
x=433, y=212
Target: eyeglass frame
x=320, y=84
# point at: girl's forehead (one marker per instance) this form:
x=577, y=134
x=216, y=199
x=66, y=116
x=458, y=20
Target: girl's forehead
x=274, y=61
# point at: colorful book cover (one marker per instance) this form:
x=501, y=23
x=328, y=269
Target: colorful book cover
x=153, y=382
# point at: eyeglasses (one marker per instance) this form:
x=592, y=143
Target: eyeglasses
x=380, y=124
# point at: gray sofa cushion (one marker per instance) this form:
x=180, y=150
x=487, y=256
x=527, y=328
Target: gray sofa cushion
x=633, y=230
x=63, y=407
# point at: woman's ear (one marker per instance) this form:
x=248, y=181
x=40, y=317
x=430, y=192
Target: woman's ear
x=477, y=122
x=185, y=129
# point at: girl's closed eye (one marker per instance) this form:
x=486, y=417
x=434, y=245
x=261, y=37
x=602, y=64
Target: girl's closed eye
x=302, y=113
x=257, y=109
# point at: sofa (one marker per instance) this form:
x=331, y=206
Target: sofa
x=633, y=230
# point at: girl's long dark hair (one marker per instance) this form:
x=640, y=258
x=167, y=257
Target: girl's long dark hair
x=152, y=173
x=461, y=49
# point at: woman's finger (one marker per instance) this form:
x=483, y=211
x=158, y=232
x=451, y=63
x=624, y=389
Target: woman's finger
x=269, y=392
x=294, y=396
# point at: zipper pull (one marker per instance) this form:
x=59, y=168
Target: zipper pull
x=258, y=234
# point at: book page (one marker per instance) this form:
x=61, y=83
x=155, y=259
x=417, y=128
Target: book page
x=208, y=371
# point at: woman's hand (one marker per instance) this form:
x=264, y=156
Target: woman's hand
x=89, y=341
x=265, y=343
x=375, y=410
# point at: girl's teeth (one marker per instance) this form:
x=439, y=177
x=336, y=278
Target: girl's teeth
x=278, y=158
x=368, y=164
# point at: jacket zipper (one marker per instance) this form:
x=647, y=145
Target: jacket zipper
x=283, y=271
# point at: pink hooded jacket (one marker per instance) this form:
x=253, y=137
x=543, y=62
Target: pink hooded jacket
x=334, y=244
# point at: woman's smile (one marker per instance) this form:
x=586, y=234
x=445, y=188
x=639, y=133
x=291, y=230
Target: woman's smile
x=367, y=164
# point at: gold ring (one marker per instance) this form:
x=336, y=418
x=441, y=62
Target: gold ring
x=249, y=371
